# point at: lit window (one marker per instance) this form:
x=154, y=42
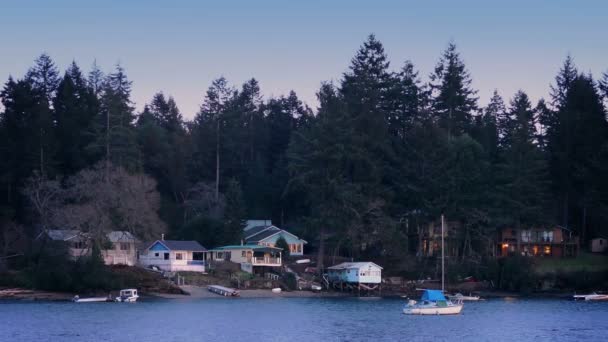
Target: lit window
x=547, y=250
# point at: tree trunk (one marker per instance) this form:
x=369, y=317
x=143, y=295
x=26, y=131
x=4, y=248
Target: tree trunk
x=217, y=160
x=321, y=252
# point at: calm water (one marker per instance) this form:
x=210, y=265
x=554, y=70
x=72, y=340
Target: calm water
x=300, y=319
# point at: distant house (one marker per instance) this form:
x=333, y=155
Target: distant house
x=548, y=242
x=123, y=251
x=173, y=255
x=355, y=273
x=252, y=258
x=262, y=232
x=430, y=239
x=598, y=245
x=77, y=242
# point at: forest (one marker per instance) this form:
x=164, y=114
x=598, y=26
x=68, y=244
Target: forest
x=386, y=152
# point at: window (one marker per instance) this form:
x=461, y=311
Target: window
x=166, y=256
x=124, y=246
x=601, y=242
x=156, y=255
x=547, y=250
x=220, y=256
x=243, y=254
x=78, y=245
x=179, y=256
x=299, y=248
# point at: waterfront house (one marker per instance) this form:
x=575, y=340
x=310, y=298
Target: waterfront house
x=430, y=239
x=120, y=249
x=123, y=249
x=77, y=242
x=263, y=232
x=355, y=272
x=598, y=245
x=253, y=258
x=547, y=242
x=174, y=255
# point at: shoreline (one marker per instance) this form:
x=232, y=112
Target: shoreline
x=197, y=292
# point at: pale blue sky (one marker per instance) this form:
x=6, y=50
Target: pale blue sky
x=180, y=46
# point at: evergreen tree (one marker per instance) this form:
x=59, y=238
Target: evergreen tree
x=453, y=99
x=522, y=172
x=75, y=108
x=563, y=82
x=44, y=77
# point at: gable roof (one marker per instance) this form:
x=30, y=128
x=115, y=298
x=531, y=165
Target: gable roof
x=268, y=233
x=177, y=245
x=256, y=223
x=256, y=230
x=353, y=265
x=121, y=236
x=252, y=247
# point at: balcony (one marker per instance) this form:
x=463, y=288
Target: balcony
x=267, y=261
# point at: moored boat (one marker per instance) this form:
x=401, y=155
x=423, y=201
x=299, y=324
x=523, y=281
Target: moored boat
x=127, y=296
x=433, y=302
x=591, y=296
x=77, y=299
x=461, y=297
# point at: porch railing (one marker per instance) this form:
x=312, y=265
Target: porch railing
x=266, y=260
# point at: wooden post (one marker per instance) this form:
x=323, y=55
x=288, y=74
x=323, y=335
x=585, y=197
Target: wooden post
x=442, y=256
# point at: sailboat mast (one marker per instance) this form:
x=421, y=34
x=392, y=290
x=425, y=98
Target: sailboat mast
x=442, y=256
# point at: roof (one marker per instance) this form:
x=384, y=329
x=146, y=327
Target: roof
x=264, y=234
x=255, y=230
x=121, y=236
x=253, y=247
x=177, y=245
x=63, y=234
x=353, y=265
x=433, y=295
x=256, y=223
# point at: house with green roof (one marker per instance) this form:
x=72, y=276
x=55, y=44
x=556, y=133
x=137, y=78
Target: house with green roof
x=252, y=258
x=263, y=232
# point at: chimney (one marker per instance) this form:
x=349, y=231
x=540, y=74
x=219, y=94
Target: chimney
x=162, y=237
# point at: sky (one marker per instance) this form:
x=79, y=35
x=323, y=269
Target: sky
x=179, y=47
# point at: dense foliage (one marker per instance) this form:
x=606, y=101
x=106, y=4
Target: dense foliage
x=384, y=154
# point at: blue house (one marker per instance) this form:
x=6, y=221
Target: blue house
x=263, y=232
x=173, y=255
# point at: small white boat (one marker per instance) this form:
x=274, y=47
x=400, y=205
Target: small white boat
x=77, y=299
x=433, y=302
x=591, y=296
x=127, y=296
x=460, y=296
x=276, y=290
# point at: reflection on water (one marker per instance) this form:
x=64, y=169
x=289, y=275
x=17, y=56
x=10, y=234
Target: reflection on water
x=301, y=319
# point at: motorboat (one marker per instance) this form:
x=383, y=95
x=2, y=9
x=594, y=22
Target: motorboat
x=433, y=302
x=591, y=296
x=461, y=297
x=127, y=296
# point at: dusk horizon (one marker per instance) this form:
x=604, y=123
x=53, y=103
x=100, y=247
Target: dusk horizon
x=295, y=47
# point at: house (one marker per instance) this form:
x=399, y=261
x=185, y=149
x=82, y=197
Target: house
x=77, y=242
x=173, y=255
x=355, y=272
x=554, y=242
x=123, y=250
x=598, y=245
x=255, y=259
x=263, y=232
x=430, y=239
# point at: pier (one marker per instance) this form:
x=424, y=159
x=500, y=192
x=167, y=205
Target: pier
x=223, y=291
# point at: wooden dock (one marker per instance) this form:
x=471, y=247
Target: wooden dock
x=223, y=291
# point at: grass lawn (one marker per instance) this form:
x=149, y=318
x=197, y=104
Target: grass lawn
x=584, y=262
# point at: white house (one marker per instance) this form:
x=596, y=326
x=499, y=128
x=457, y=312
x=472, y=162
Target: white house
x=355, y=272
x=123, y=251
x=252, y=258
x=120, y=251
x=262, y=232
x=173, y=255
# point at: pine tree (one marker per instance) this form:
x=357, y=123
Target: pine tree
x=453, y=99
x=563, y=82
x=75, y=108
x=44, y=77
x=522, y=172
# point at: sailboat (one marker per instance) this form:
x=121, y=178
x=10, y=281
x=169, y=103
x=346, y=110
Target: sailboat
x=433, y=302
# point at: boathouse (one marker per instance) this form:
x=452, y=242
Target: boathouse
x=359, y=276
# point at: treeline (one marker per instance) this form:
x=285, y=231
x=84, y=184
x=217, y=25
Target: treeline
x=385, y=153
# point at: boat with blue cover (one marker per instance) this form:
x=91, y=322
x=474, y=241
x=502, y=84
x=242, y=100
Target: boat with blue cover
x=433, y=302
